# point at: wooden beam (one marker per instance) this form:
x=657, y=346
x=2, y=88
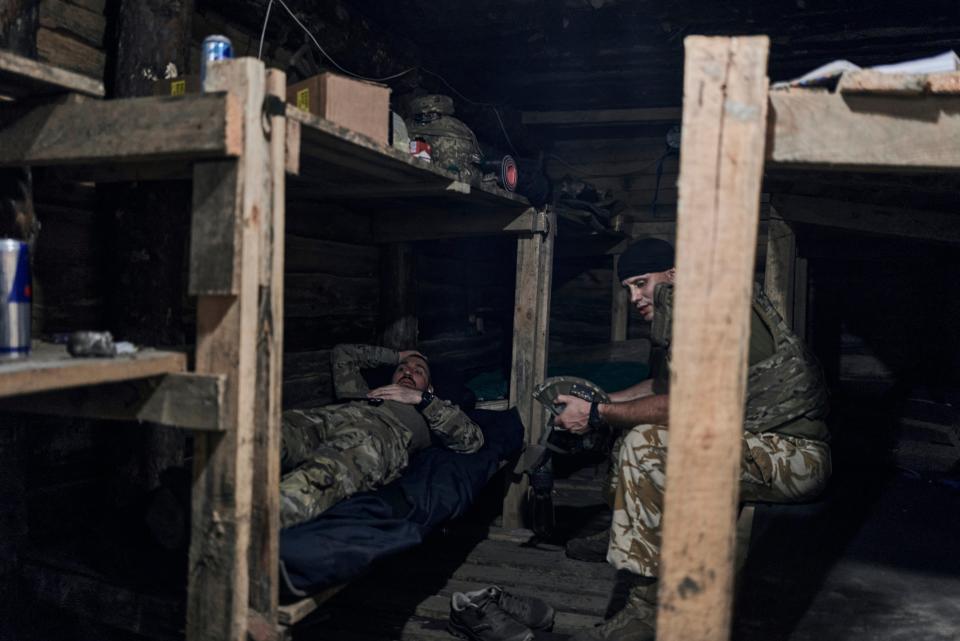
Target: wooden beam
x=190, y=401
x=18, y=26
x=601, y=116
x=871, y=219
x=842, y=131
x=725, y=99
x=778, y=276
x=21, y=77
x=50, y=367
x=375, y=191
x=134, y=130
x=396, y=227
x=265, y=511
x=297, y=611
x=531, y=318
x=292, y=151
x=899, y=84
x=619, y=306
x=227, y=326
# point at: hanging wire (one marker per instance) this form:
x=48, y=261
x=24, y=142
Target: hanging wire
x=491, y=105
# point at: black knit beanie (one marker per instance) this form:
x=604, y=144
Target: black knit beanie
x=645, y=257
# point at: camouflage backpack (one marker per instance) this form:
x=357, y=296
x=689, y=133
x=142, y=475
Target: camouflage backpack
x=785, y=386
x=453, y=145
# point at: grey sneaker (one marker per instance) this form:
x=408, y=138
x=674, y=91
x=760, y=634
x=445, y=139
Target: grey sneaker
x=481, y=619
x=532, y=612
x=592, y=549
x=631, y=624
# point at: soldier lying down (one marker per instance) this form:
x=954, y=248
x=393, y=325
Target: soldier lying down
x=364, y=441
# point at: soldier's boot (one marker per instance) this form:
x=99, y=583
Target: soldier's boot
x=592, y=548
x=635, y=622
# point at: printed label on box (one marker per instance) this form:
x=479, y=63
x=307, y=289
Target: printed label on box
x=178, y=88
x=303, y=100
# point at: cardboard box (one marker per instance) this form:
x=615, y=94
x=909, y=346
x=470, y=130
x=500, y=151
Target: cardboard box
x=177, y=86
x=361, y=106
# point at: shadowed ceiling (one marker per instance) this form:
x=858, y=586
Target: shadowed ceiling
x=601, y=54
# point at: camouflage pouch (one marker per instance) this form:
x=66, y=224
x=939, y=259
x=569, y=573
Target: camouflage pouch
x=660, y=329
x=787, y=385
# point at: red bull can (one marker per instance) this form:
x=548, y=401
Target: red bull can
x=15, y=296
x=214, y=48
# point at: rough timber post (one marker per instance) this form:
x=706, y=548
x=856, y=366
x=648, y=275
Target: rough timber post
x=265, y=509
x=230, y=199
x=721, y=165
x=619, y=306
x=531, y=323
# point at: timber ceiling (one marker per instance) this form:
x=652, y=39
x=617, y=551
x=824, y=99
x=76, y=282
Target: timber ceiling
x=603, y=54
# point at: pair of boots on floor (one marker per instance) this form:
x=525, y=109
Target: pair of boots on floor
x=634, y=600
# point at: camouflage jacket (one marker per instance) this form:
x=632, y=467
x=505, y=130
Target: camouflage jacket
x=786, y=392
x=443, y=419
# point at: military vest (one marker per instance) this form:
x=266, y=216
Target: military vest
x=782, y=387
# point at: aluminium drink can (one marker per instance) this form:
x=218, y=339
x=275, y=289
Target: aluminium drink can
x=214, y=48
x=15, y=297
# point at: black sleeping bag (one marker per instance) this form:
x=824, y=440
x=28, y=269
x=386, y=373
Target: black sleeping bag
x=438, y=485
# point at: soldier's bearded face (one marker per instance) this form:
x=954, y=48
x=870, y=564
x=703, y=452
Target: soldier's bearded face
x=641, y=290
x=413, y=372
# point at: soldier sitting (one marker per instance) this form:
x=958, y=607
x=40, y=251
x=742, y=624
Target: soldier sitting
x=364, y=441
x=786, y=457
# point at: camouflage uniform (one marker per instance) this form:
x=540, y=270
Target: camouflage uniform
x=785, y=453
x=331, y=452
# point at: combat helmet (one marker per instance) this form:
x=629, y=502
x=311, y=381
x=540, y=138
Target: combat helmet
x=558, y=439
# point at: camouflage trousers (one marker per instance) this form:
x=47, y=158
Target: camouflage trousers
x=774, y=468
x=330, y=453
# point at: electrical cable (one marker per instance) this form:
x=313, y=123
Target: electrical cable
x=263, y=32
x=316, y=43
x=330, y=58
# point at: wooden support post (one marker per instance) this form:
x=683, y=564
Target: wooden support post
x=227, y=326
x=724, y=118
x=778, y=276
x=19, y=20
x=18, y=33
x=619, y=306
x=531, y=324
x=265, y=515
x=398, y=296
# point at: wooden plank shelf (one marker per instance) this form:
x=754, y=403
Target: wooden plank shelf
x=867, y=131
x=191, y=401
x=22, y=77
x=50, y=367
x=339, y=165
x=137, y=130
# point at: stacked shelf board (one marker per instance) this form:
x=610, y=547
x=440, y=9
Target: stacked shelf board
x=50, y=367
x=409, y=199
x=22, y=78
x=53, y=119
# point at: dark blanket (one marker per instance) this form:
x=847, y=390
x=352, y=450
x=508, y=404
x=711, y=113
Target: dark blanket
x=438, y=485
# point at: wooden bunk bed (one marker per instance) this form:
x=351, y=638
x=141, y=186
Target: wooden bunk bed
x=237, y=142
x=731, y=126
